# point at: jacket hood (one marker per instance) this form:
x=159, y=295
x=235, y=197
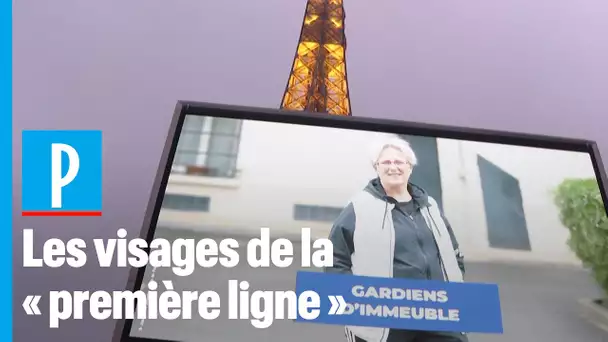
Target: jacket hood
x=419, y=195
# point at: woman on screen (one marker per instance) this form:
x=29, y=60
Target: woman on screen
x=393, y=228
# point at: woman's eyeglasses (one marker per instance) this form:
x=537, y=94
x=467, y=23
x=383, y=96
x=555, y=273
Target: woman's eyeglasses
x=397, y=163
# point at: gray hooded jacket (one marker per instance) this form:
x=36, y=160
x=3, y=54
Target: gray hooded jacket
x=416, y=253
x=379, y=237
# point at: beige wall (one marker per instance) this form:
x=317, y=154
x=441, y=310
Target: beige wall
x=539, y=171
x=281, y=165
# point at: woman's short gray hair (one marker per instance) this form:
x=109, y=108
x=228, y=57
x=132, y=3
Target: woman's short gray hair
x=396, y=143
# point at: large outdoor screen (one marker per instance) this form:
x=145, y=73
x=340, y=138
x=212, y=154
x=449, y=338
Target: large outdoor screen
x=422, y=237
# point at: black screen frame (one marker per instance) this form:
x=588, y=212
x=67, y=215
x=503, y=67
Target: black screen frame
x=183, y=108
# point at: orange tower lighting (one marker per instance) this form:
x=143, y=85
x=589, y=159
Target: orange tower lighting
x=318, y=81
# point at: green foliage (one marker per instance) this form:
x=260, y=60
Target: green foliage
x=582, y=211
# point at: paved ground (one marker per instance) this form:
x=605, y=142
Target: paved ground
x=539, y=303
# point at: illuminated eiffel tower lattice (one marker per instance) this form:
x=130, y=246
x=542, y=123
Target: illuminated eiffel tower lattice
x=318, y=81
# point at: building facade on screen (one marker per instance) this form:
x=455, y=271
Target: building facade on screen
x=242, y=175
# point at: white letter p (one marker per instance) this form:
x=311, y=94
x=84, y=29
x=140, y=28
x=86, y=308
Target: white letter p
x=57, y=179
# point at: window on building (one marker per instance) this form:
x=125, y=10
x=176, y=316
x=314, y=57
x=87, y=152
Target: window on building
x=315, y=213
x=186, y=202
x=505, y=217
x=208, y=147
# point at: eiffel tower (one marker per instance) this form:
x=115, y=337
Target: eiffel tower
x=317, y=81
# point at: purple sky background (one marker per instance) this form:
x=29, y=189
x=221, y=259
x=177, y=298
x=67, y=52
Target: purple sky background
x=536, y=66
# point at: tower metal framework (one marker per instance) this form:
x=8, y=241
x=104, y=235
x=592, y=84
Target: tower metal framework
x=318, y=79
